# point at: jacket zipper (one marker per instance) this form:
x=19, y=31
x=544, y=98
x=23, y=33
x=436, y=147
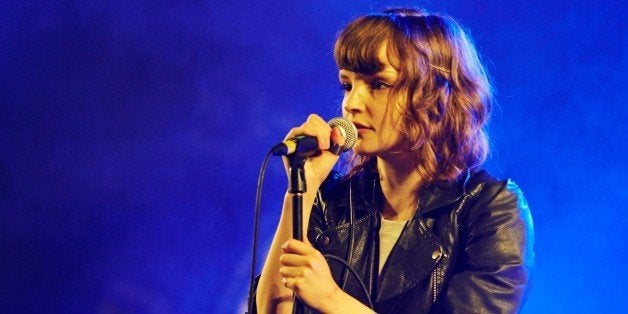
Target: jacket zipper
x=434, y=284
x=436, y=277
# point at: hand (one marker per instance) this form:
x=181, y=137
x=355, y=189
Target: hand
x=318, y=166
x=305, y=271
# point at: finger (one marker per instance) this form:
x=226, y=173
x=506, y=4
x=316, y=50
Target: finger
x=337, y=136
x=294, y=132
x=287, y=259
x=298, y=247
x=291, y=272
x=310, y=127
x=289, y=283
x=323, y=130
x=313, y=128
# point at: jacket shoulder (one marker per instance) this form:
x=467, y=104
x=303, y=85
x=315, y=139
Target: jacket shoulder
x=498, y=239
x=333, y=185
x=483, y=185
x=500, y=204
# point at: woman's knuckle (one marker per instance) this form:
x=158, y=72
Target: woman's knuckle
x=306, y=272
x=309, y=262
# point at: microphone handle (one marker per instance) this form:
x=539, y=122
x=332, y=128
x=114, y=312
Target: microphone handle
x=300, y=146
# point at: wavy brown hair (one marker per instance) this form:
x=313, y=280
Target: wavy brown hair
x=447, y=91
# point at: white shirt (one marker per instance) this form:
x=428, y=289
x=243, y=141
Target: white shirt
x=389, y=233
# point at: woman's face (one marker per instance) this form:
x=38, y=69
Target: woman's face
x=366, y=103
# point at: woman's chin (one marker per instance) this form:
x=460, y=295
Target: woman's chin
x=362, y=151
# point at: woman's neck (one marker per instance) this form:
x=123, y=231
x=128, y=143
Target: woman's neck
x=400, y=184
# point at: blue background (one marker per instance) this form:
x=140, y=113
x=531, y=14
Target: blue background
x=132, y=133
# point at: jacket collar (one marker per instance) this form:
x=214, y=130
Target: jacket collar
x=431, y=197
x=437, y=196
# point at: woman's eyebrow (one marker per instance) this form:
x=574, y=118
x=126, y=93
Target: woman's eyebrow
x=387, y=74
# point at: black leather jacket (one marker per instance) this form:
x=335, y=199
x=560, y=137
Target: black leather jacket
x=468, y=248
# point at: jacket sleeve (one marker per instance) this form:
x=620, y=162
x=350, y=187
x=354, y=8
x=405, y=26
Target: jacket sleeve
x=316, y=225
x=496, y=256
x=318, y=222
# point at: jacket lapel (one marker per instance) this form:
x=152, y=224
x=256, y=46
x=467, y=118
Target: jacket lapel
x=410, y=261
x=437, y=196
x=418, y=250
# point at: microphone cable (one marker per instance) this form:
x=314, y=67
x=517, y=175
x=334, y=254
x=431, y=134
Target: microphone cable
x=353, y=272
x=258, y=200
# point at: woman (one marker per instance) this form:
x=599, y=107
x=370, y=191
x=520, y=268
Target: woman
x=424, y=229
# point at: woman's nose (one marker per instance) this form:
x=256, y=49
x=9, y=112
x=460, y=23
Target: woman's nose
x=353, y=101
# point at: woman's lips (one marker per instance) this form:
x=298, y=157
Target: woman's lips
x=362, y=128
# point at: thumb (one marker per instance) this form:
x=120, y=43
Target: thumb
x=337, y=136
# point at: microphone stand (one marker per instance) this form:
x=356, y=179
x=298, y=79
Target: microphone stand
x=297, y=188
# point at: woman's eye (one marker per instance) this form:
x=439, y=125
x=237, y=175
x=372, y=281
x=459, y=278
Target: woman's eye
x=346, y=87
x=377, y=85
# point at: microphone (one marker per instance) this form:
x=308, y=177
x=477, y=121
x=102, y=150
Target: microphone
x=305, y=146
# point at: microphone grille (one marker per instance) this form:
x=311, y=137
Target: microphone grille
x=348, y=130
